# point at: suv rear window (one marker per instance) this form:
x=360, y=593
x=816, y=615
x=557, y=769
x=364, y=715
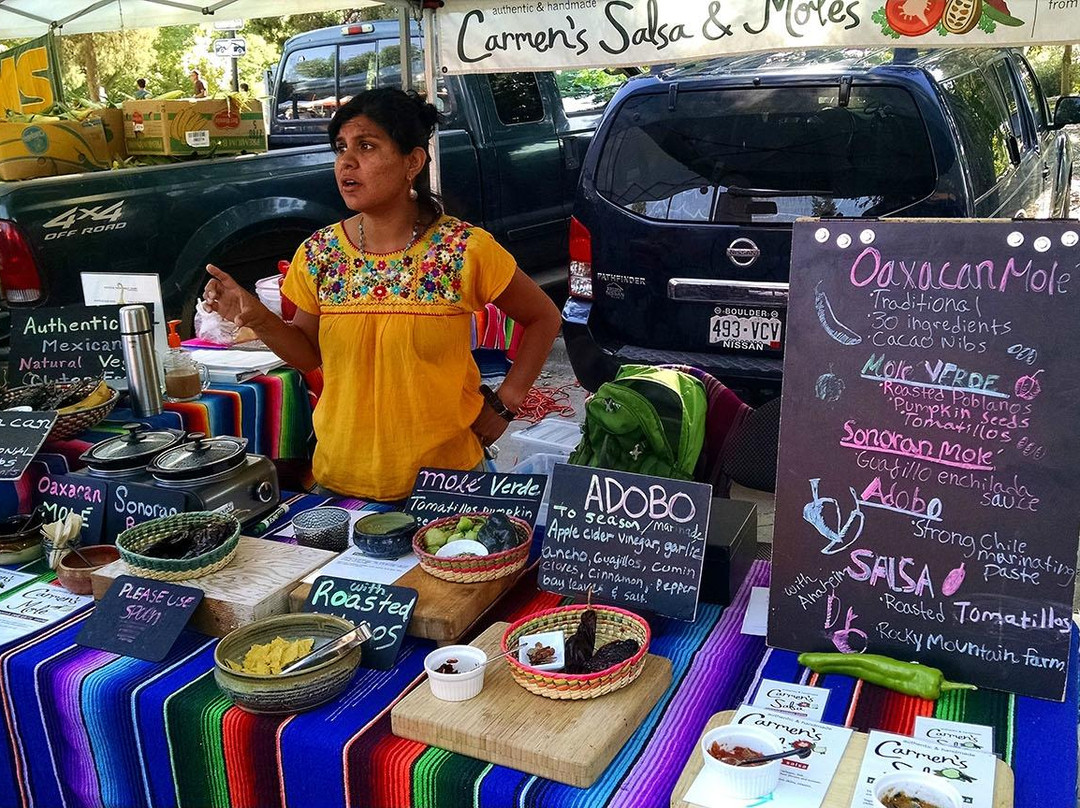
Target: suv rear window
x=752, y=155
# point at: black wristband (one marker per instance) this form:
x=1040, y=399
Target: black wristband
x=496, y=403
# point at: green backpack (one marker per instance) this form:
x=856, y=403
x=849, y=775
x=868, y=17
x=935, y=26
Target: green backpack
x=649, y=420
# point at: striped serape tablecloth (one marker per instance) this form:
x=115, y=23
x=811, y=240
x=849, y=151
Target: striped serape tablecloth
x=87, y=728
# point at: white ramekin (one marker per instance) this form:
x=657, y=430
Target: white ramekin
x=923, y=786
x=456, y=686
x=743, y=782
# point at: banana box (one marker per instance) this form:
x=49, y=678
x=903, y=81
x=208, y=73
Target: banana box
x=112, y=119
x=50, y=147
x=184, y=126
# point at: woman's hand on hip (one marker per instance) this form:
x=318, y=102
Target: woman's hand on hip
x=489, y=425
x=232, y=301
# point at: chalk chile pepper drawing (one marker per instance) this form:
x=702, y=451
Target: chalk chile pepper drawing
x=814, y=514
x=912, y=18
x=833, y=327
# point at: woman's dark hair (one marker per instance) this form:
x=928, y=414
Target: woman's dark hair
x=408, y=120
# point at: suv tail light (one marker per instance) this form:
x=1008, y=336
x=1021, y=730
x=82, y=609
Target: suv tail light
x=19, y=278
x=580, y=261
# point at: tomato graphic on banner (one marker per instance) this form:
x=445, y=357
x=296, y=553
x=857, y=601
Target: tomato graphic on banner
x=914, y=18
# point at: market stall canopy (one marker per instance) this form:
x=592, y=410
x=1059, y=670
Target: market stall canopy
x=489, y=36
x=21, y=19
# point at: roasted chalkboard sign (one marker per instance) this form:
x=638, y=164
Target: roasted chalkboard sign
x=387, y=609
x=62, y=344
x=928, y=501
x=21, y=436
x=131, y=504
x=636, y=541
x=140, y=618
x=60, y=494
x=445, y=492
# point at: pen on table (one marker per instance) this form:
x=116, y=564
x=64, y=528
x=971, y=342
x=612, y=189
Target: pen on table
x=269, y=520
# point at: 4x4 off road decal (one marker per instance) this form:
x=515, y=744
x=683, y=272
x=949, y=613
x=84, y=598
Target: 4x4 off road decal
x=81, y=221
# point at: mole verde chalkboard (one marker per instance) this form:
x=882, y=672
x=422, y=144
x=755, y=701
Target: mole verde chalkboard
x=62, y=344
x=928, y=494
x=445, y=492
x=634, y=540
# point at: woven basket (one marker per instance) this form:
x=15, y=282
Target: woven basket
x=474, y=569
x=131, y=541
x=611, y=624
x=71, y=424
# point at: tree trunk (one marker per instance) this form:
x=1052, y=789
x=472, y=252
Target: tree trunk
x=1066, y=71
x=90, y=66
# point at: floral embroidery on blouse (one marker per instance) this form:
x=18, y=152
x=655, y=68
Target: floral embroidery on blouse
x=433, y=276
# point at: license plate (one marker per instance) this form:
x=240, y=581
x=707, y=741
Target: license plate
x=739, y=331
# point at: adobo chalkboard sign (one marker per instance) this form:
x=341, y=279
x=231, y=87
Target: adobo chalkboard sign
x=62, y=344
x=928, y=501
x=634, y=540
x=444, y=492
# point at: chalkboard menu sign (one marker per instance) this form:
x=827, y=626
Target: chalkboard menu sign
x=21, y=436
x=928, y=500
x=60, y=494
x=387, y=609
x=140, y=618
x=636, y=541
x=131, y=504
x=62, y=344
x=444, y=492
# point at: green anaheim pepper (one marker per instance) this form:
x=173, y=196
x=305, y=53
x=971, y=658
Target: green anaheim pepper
x=909, y=678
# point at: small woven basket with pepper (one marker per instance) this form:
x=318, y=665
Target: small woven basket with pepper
x=473, y=569
x=611, y=625
x=222, y=530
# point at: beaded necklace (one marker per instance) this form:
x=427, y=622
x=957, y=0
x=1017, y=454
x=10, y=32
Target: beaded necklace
x=412, y=240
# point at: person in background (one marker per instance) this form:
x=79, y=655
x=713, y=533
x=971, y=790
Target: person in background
x=140, y=89
x=244, y=88
x=198, y=84
x=385, y=303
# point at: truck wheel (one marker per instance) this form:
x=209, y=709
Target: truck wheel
x=254, y=257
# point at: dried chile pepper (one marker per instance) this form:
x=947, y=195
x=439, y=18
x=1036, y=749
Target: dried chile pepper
x=579, y=648
x=909, y=678
x=611, y=654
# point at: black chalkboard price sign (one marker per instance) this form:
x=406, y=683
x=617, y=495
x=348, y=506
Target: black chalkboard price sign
x=61, y=494
x=928, y=501
x=131, y=504
x=387, y=609
x=21, y=436
x=62, y=344
x=444, y=492
x=636, y=541
x=140, y=618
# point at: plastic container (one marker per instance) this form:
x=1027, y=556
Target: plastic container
x=540, y=464
x=456, y=686
x=919, y=785
x=743, y=782
x=269, y=292
x=553, y=435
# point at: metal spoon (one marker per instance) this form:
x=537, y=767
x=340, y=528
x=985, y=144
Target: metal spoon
x=360, y=634
x=798, y=751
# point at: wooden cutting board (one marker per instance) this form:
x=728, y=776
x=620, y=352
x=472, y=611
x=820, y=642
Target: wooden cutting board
x=842, y=788
x=444, y=611
x=255, y=584
x=568, y=741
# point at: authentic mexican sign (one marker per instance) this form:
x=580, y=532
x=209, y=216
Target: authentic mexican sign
x=490, y=36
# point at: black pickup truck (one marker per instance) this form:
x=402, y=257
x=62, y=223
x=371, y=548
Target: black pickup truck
x=510, y=158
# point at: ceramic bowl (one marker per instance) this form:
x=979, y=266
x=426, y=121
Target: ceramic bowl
x=553, y=639
x=20, y=539
x=74, y=571
x=286, y=693
x=924, y=787
x=325, y=527
x=385, y=535
x=461, y=547
x=456, y=686
x=743, y=782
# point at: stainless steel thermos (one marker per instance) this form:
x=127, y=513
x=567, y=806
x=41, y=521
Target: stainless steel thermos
x=144, y=383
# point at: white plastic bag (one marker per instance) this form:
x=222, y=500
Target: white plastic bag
x=212, y=327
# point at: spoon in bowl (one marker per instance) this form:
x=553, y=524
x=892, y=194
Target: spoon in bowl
x=798, y=751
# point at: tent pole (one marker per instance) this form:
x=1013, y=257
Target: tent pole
x=430, y=83
x=405, y=48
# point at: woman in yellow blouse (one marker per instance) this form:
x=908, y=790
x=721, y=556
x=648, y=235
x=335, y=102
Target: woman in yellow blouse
x=384, y=304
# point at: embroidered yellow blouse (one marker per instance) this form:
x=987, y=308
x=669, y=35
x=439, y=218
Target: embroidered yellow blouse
x=400, y=385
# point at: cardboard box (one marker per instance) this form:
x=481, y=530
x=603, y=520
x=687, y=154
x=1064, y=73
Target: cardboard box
x=186, y=126
x=29, y=150
x=112, y=119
